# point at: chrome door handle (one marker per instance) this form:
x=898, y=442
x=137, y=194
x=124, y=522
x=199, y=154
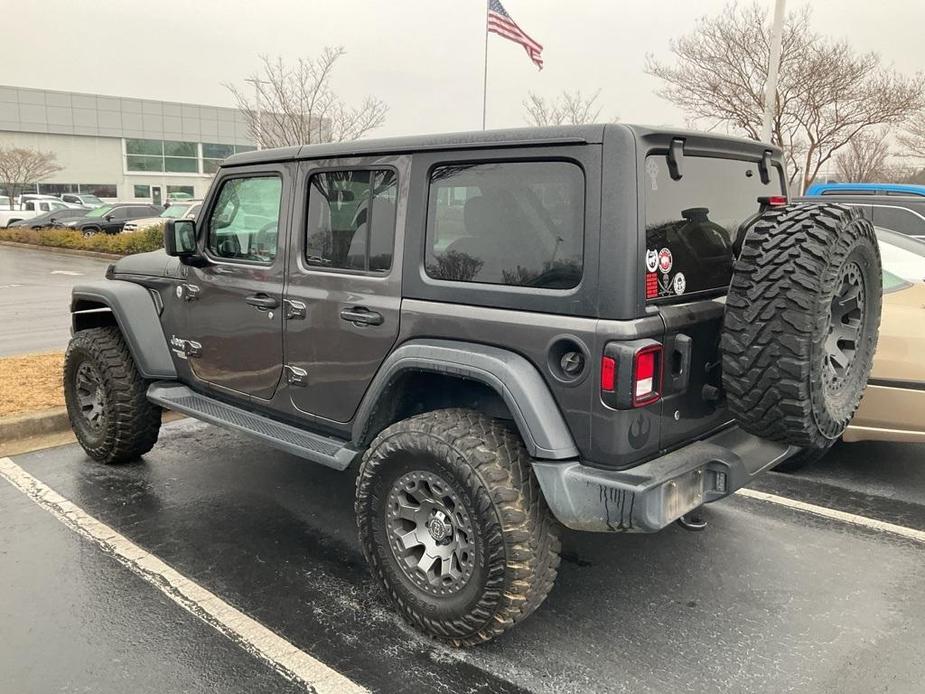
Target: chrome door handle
x=262, y=301
x=359, y=315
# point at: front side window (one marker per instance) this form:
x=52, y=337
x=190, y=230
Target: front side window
x=351, y=220
x=692, y=222
x=244, y=223
x=509, y=223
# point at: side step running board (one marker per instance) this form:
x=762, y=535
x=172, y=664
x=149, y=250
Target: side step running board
x=332, y=452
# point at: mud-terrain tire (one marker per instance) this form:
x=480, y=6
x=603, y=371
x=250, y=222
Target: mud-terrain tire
x=479, y=469
x=105, y=395
x=801, y=323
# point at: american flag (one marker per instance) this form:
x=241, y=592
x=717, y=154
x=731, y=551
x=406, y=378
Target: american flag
x=500, y=22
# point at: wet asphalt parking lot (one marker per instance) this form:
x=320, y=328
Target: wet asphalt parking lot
x=768, y=599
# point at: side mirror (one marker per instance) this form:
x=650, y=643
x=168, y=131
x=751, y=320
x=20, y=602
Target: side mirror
x=108, y=218
x=180, y=238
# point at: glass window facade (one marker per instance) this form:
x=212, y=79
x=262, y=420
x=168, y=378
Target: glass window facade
x=175, y=156
x=142, y=191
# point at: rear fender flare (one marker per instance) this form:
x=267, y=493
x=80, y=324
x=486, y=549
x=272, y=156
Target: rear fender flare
x=538, y=419
x=136, y=315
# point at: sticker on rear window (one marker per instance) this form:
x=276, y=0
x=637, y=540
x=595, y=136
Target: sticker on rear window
x=651, y=260
x=665, y=260
x=679, y=283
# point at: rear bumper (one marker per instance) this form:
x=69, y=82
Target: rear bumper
x=650, y=496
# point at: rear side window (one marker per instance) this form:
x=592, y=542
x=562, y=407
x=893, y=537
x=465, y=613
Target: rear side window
x=691, y=223
x=900, y=219
x=351, y=220
x=509, y=223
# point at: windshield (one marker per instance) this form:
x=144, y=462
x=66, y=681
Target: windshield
x=691, y=222
x=100, y=211
x=91, y=200
x=175, y=211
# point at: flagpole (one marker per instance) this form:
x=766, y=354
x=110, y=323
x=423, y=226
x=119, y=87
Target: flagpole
x=485, y=74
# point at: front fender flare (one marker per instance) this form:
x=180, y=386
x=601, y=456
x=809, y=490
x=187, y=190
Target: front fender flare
x=137, y=317
x=516, y=380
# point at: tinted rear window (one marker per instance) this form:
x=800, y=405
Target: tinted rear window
x=513, y=223
x=691, y=223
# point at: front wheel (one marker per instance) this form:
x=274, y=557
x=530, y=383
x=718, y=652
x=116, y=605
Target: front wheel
x=105, y=396
x=454, y=526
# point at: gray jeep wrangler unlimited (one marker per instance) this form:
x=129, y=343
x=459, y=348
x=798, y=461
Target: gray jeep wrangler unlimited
x=603, y=327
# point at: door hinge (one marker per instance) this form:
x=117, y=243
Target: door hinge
x=296, y=376
x=187, y=291
x=295, y=310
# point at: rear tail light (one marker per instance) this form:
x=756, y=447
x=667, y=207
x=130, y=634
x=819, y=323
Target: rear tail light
x=647, y=375
x=608, y=374
x=631, y=373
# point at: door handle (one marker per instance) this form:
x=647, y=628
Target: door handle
x=359, y=315
x=262, y=301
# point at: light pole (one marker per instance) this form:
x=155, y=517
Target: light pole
x=256, y=81
x=770, y=86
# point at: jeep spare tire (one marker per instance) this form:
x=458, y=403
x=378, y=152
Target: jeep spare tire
x=801, y=323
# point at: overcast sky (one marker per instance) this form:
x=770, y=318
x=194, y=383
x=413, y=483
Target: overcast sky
x=422, y=57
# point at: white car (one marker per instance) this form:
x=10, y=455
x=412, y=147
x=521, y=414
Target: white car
x=184, y=209
x=30, y=208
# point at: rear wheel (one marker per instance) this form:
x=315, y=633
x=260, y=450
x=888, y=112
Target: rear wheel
x=105, y=395
x=454, y=526
x=801, y=323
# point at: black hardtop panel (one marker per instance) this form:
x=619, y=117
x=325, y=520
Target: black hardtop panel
x=476, y=139
x=700, y=143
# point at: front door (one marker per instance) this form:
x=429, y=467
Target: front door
x=156, y=195
x=344, y=291
x=234, y=328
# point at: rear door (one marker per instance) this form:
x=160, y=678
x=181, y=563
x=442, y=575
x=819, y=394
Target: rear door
x=343, y=296
x=691, y=224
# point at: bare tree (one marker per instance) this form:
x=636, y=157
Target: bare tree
x=826, y=95
x=913, y=136
x=295, y=105
x=21, y=167
x=568, y=108
x=864, y=159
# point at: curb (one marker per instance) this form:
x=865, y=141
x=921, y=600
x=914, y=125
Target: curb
x=22, y=426
x=45, y=422
x=63, y=251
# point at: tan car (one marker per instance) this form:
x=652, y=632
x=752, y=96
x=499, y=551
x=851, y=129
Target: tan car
x=893, y=406
x=181, y=209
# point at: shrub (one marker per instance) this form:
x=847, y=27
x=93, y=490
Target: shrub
x=148, y=239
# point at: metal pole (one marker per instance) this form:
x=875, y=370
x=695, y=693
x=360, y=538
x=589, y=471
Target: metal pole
x=770, y=87
x=485, y=74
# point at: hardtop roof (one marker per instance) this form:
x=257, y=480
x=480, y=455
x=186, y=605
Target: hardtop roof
x=477, y=139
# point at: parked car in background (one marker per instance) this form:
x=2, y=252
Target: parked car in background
x=50, y=219
x=902, y=213
x=893, y=406
x=82, y=199
x=187, y=209
x=29, y=209
x=865, y=189
x=110, y=219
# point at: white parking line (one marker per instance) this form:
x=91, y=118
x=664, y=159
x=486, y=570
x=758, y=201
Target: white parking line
x=844, y=517
x=248, y=633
